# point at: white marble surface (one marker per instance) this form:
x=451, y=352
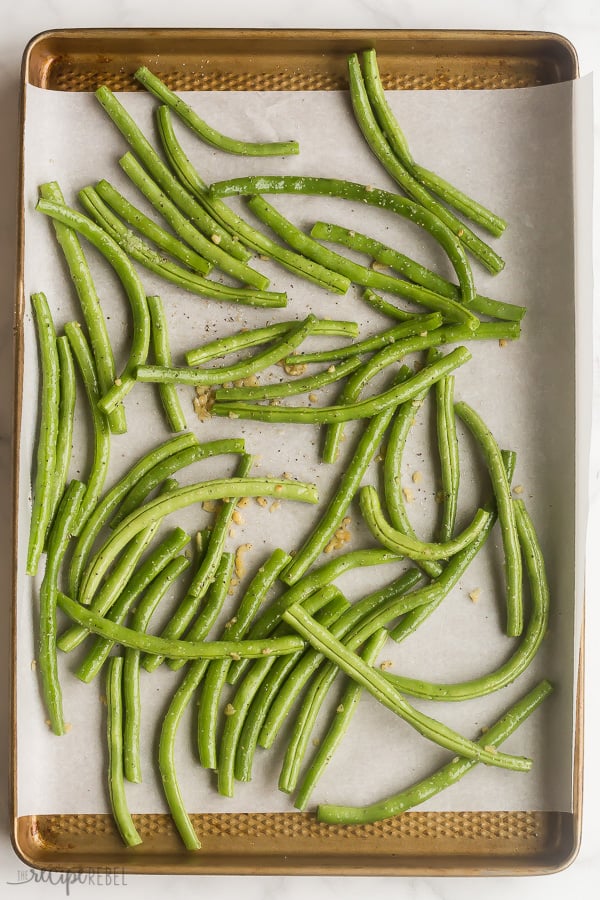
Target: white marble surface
x=579, y=20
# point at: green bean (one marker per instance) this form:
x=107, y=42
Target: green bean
x=135, y=218
x=58, y=541
x=356, y=273
x=149, y=643
x=326, y=605
x=362, y=611
x=66, y=410
x=250, y=366
x=112, y=498
x=207, y=247
x=130, y=244
x=392, y=477
x=289, y=388
x=131, y=667
x=48, y=432
x=347, y=190
x=215, y=598
x=412, y=270
x=339, y=724
x=376, y=140
x=506, y=516
x=449, y=774
x=99, y=467
x=151, y=569
x=166, y=752
x=178, y=460
x=446, y=191
x=377, y=684
x=255, y=336
x=415, y=326
x=348, y=486
x=448, y=450
x=409, y=546
x=203, y=130
x=155, y=510
x=133, y=288
x=116, y=784
x=453, y=571
x=187, y=609
x=162, y=355
x=521, y=658
x=348, y=411
x=383, y=306
x=197, y=214
x=216, y=677
x=89, y=302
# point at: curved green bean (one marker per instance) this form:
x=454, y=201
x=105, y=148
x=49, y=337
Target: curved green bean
x=131, y=283
x=99, y=468
x=162, y=355
x=506, y=516
x=348, y=411
x=377, y=142
x=66, y=411
x=377, y=684
x=116, y=784
x=204, y=131
x=289, y=388
x=43, y=487
x=58, y=542
x=136, y=219
x=90, y=304
x=198, y=215
x=443, y=778
x=348, y=190
x=135, y=247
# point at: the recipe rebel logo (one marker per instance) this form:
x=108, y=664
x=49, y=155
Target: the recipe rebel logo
x=101, y=878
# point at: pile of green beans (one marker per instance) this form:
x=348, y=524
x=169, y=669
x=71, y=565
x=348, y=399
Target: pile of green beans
x=291, y=632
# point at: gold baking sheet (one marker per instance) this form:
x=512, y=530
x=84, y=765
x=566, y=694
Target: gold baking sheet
x=416, y=843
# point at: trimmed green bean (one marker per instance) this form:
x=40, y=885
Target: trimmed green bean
x=414, y=327
x=203, y=130
x=197, y=214
x=99, y=468
x=131, y=667
x=207, y=247
x=58, y=542
x=250, y=366
x=377, y=684
x=377, y=142
x=149, y=643
x=356, y=273
x=446, y=191
x=116, y=783
x=533, y=635
x=348, y=411
x=443, y=778
x=449, y=458
x=255, y=336
x=383, y=306
x=409, y=546
x=216, y=677
x=187, y=609
x=162, y=355
x=289, y=388
x=136, y=219
x=348, y=190
x=413, y=270
x=43, y=487
x=506, y=516
x=89, y=302
x=135, y=247
x=339, y=724
x=155, y=510
x=66, y=411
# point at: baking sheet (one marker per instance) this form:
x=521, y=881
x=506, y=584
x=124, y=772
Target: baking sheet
x=521, y=164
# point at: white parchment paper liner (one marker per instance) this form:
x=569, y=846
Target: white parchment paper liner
x=525, y=153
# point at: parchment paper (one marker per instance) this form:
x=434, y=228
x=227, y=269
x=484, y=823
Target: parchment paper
x=513, y=150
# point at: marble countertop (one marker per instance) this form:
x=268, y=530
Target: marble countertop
x=579, y=21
